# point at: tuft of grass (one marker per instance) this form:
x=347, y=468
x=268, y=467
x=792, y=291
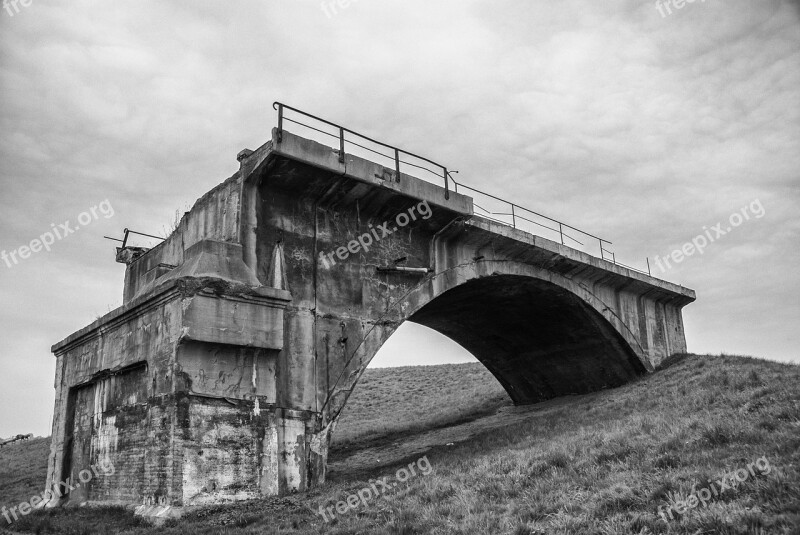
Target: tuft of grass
x=717, y=435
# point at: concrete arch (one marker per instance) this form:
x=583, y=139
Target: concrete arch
x=574, y=342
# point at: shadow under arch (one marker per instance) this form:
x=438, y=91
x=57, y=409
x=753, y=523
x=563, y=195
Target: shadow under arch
x=541, y=334
x=538, y=339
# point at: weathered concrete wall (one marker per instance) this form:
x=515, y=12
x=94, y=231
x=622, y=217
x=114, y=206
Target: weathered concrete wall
x=187, y=369
x=88, y=362
x=242, y=335
x=215, y=216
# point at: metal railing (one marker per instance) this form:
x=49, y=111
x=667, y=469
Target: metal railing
x=442, y=172
x=514, y=213
x=341, y=131
x=517, y=213
x=127, y=232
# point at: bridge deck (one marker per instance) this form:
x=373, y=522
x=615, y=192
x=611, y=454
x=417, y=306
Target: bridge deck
x=563, y=258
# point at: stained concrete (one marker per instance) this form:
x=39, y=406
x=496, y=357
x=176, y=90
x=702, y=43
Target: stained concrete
x=223, y=374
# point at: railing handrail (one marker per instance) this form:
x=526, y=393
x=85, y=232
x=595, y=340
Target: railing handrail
x=128, y=232
x=530, y=211
x=342, y=130
x=279, y=106
x=358, y=134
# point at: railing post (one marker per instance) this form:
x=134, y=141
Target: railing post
x=648, y=265
x=341, y=145
x=280, y=122
x=446, y=184
x=125, y=238
x=513, y=217
x=561, y=232
x=601, y=249
x=397, y=164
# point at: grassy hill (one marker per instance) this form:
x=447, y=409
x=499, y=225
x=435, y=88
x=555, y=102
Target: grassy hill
x=598, y=463
x=23, y=469
x=398, y=401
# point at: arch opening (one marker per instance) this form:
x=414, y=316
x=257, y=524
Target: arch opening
x=419, y=381
x=538, y=339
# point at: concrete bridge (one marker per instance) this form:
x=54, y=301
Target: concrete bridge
x=243, y=333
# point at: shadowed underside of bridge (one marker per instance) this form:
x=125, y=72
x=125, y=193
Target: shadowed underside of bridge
x=243, y=334
x=539, y=340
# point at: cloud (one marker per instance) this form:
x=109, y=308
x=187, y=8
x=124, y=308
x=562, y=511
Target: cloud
x=640, y=128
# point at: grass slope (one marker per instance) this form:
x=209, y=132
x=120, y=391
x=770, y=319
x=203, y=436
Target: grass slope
x=23, y=470
x=598, y=463
x=398, y=401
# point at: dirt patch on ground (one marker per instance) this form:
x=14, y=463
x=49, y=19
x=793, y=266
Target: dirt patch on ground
x=376, y=455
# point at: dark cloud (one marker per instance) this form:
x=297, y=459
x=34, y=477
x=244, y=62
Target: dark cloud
x=641, y=128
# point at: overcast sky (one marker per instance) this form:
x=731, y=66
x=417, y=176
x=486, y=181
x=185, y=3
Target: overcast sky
x=648, y=129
